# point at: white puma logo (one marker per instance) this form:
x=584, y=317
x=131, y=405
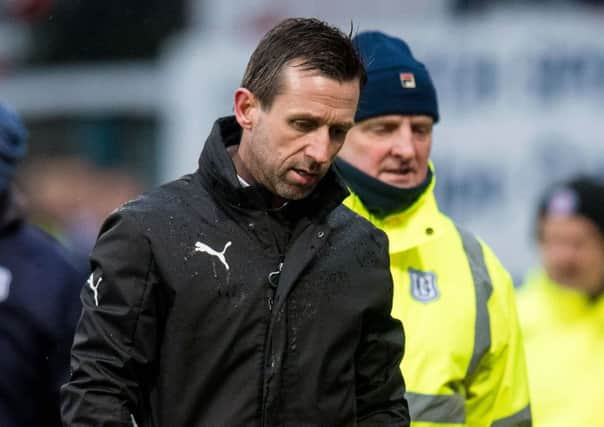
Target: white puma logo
x=94, y=287
x=202, y=247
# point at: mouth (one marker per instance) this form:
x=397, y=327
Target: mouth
x=399, y=172
x=304, y=177
x=401, y=177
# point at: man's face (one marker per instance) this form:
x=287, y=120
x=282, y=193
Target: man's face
x=292, y=144
x=394, y=149
x=572, y=249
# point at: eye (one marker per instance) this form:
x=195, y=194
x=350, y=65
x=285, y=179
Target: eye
x=303, y=125
x=422, y=131
x=338, y=133
x=381, y=129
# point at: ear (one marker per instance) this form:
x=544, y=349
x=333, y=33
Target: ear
x=246, y=105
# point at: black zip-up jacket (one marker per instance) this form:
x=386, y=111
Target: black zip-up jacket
x=205, y=308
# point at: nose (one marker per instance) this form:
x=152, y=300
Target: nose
x=402, y=143
x=318, y=148
x=560, y=254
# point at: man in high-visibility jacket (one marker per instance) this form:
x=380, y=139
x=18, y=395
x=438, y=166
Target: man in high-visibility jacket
x=561, y=307
x=464, y=363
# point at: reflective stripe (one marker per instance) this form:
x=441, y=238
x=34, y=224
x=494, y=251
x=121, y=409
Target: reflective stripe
x=435, y=408
x=521, y=418
x=483, y=289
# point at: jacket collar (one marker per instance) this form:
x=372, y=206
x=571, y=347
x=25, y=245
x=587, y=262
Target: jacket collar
x=420, y=223
x=218, y=173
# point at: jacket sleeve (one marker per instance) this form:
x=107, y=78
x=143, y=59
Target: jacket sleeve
x=380, y=387
x=498, y=390
x=116, y=336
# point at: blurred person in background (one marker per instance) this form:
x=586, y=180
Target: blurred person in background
x=69, y=197
x=244, y=294
x=39, y=303
x=464, y=362
x=561, y=307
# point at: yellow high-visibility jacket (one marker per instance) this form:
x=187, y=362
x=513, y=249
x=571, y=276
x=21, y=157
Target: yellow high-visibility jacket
x=464, y=361
x=564, y=340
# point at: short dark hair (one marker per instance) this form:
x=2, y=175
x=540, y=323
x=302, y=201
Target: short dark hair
x=316, y=44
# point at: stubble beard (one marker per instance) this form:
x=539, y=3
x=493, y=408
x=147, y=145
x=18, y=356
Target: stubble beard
x=272, y=177
x=292, y=192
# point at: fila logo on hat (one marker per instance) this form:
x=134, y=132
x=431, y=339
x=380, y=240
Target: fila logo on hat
x=407, y=80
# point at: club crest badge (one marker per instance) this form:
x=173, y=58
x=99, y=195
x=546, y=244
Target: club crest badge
x=423, y=285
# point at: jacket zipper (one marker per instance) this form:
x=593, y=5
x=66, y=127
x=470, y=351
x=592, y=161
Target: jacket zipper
x=273, y=281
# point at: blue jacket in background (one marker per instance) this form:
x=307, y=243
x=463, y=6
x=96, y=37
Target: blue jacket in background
x=39, y=307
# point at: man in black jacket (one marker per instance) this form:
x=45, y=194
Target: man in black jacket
x=244, y=294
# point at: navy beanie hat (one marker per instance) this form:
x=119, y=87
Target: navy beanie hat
x=397, y=83
x=12, y=144
x=579, y=196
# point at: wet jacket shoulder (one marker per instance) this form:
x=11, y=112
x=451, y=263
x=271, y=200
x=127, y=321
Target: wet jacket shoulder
x=39, y=306
x=204, y=308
